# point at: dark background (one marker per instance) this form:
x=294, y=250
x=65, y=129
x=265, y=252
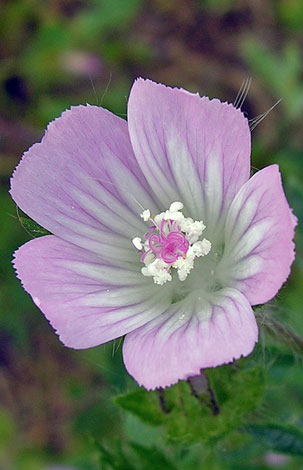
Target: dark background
x=58, y=53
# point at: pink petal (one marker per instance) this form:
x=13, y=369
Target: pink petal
x=190, y=149
x=82, y=182
x=192, y=335
x=259, y=231
x=86, y=300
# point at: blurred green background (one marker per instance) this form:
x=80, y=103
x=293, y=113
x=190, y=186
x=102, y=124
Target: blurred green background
x=56, y=403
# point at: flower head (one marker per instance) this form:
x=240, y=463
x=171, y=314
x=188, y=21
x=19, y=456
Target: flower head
x=159, y=233
x=170, y=242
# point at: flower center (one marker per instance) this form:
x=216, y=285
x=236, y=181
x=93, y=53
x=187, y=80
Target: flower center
x=171, y=241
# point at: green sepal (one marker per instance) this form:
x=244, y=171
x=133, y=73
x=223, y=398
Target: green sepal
x=188, y=417
x=32, y=227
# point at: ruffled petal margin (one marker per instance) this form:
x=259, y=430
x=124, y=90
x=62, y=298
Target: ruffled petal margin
x=87, y=301
x=259, y=232
x=189, y=148
x=178, y=344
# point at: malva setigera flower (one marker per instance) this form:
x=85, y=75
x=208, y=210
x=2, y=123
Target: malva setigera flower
x=159, y=233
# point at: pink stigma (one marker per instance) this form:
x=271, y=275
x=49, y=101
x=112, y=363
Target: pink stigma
x=168, y=243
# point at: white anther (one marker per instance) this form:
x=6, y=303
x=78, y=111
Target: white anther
x=154, y=267
x=158, y=270
x=137, y=242
x=206, y=245
x=185, y=224
x=184, y=266
x=176, y=206
x=193, y=229
x=162, y=277
x=197, y=227
x=177, y=216
x=145, y=215
x=200, y=248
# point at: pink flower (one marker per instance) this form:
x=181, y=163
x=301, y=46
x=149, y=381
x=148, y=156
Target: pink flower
x=127, y=204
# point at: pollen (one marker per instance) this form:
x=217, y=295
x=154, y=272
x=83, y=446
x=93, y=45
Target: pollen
x=172, y=242
x=145, y=215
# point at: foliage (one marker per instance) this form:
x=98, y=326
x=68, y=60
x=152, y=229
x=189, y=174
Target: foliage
x=189, y=416
x=284, y=439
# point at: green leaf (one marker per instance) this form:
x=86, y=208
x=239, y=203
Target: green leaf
x=291, y=13
x=102, y=17
x=151, y=457
x=280, y=72
x=106, y=460
x=280, y=438
x=114, y=459
x=143, y=404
